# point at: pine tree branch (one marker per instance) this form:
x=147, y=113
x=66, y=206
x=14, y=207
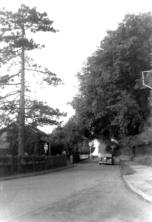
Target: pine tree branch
x=36, y=70
x=11, y=94
x=13, y=75
x=5, y=78
x=9, y=84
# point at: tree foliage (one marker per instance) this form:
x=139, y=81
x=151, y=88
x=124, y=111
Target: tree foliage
x=111, y=101
x=17, y=30
x=69, y=138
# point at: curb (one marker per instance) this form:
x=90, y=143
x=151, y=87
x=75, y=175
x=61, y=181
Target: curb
x=38, y=173
x=134, y=189
x=137, y=191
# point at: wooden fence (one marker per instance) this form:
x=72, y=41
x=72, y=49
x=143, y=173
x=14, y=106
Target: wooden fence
x=11, y=165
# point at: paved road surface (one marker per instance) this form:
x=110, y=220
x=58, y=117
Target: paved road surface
x=86, y=193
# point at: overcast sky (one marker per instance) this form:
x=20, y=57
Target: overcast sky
x=82, y=24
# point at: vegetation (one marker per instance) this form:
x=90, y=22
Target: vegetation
x=70, y=139
x=16, y=103
x=111, y=100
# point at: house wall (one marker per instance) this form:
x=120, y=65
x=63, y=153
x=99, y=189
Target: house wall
x=101, y=146
x=4, y=144
x=9, y=145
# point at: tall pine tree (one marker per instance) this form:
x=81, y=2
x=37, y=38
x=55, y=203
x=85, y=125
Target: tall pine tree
x=15, y=27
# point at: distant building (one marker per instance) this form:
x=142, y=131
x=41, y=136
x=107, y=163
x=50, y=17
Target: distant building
x=33, y=137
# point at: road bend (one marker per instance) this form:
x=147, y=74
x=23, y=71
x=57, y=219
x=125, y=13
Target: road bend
x=86, y=193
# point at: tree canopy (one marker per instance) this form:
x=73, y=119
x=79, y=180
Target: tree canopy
x=69, y=138
x=17, y=30
x=111, y=100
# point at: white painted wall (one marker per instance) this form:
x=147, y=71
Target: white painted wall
x=99, y=147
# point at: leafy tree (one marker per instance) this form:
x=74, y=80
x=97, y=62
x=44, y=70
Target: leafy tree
x=16, y=31
x=111, y=101
x=69, y=138
x=57, y=141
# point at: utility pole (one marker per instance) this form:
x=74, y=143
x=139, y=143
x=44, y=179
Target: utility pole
x=21, y=117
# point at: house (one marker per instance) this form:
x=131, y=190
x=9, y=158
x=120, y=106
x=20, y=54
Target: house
x=34, y=141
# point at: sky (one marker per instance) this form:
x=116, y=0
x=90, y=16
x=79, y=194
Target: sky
x=82, y=25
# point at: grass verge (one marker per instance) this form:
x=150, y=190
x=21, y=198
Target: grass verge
x=144, y=160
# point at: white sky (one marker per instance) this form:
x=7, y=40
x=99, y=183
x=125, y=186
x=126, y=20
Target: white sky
x=82, y=25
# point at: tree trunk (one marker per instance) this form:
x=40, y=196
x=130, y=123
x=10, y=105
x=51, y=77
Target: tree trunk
x=22, y=103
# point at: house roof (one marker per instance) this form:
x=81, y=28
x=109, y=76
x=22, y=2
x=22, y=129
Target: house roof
x=27, y=127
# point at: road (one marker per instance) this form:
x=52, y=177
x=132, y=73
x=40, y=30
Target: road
x=86, y=193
